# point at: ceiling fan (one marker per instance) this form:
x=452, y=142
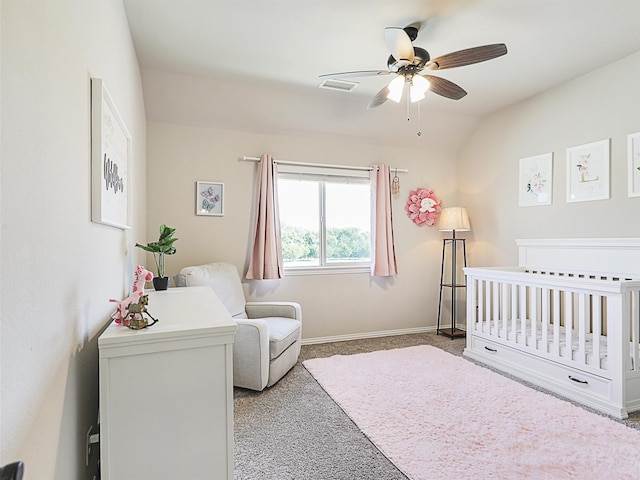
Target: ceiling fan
x=412, y=65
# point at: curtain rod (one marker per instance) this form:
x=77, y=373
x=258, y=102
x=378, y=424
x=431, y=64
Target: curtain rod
x=323, y=165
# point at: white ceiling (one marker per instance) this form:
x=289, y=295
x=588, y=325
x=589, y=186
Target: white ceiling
x=287, y=44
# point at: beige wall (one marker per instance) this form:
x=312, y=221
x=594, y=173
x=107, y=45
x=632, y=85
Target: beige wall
x=578, y=112
x=600, y=105
x=333, y=305
x=58, y=268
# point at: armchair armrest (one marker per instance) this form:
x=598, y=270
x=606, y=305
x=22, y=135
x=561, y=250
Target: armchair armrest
x=251, y=354
x=274, y=309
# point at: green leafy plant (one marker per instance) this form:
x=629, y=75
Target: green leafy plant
x=164, y=246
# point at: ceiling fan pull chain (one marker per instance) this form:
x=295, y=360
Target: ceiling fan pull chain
x=408, y=109
x=419, y=132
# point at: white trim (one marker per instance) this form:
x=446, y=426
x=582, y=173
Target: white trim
x=326, y=270
x=361, y=336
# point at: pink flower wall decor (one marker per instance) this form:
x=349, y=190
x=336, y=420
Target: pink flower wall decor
x=423, y=206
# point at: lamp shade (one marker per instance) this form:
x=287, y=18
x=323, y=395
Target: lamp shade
x=454, y=219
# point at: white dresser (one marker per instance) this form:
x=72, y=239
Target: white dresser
x=166, y=392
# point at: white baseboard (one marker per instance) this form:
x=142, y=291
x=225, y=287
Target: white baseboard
x=360, y=336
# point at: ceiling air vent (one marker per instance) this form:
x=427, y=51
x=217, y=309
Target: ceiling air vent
x=333, y=84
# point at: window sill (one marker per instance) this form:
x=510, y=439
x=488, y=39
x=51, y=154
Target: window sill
x=327, y=270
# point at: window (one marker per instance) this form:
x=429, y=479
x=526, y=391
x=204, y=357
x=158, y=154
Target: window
x=325, y=221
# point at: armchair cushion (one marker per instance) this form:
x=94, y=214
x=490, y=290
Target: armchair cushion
x=282, y=333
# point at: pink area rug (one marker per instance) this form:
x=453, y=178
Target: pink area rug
x=439, y=416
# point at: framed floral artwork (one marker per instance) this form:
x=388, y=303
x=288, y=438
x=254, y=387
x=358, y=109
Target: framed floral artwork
x=536, y=179
x=588, y=172
x=210, y=199
x=633, y=154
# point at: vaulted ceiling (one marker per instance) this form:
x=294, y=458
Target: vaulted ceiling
x=248, y=57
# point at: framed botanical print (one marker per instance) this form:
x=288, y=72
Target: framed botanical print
x=588, y=172
x=535, y=180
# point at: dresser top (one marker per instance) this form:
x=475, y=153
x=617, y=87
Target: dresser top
x=182, y=312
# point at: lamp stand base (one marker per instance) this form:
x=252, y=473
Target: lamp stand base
x=452, y=333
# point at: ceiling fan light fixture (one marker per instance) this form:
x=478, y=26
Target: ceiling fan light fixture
x=396, y=86
x=415, y=94
x=412, y=65
x=419, y=86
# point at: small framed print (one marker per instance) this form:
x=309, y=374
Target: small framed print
x=210, y=199
x=633, y=153
x=536, y=175
x=588, y=172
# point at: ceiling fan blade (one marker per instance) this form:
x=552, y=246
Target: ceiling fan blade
x=361, y=73
x=445, y=87
x=468, y=56
x=380, y=98
x=399, y=43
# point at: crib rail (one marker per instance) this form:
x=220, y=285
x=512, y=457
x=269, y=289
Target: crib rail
x=588, y=320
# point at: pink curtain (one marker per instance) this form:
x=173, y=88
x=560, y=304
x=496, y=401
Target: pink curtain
x=383, y=255
x=266, y=252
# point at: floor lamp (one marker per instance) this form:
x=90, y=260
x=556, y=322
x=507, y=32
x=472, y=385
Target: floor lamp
x=452, y=219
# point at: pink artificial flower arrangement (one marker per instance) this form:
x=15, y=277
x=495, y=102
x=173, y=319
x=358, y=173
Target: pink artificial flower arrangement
x=423, y=206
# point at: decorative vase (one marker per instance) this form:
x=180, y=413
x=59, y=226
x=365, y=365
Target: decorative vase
x=160, y=283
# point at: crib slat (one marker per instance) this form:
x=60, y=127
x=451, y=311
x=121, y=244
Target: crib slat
x=491, y=299
x=582, y=319
x=534, y=316
x=504, y=309
x=484, y=307
x=479, y=313
x=556, y=322
x=544, y=319
x=597, y=330
x=514, y=312
x=496, y=308
x=568, y=323
x=523, y=314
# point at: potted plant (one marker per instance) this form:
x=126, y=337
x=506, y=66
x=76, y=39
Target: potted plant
x=164, y=246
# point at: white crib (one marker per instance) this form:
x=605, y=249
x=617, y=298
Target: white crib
x=562, y=320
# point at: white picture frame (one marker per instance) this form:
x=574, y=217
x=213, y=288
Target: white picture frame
x=535, y=180
x=588, y=172
x=210, y=199
x=633, y=155
x=111, y=162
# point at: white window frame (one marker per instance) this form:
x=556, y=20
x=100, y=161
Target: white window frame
x=324, y=176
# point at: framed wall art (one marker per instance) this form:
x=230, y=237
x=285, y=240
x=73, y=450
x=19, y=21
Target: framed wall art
x=210, y=199
x=535, y=180
x=588, y=172
x=110, y=161
x=633, y=153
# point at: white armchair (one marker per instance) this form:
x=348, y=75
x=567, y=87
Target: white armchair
x=268, y=339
